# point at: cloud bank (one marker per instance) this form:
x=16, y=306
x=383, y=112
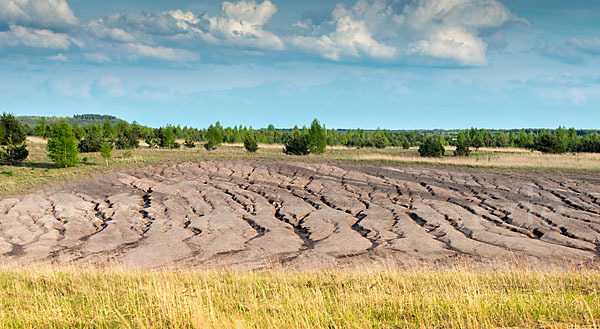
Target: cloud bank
x=446, y=32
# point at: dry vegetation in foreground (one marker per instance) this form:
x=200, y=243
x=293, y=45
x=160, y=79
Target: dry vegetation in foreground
x=38, y=171
x=50, y=298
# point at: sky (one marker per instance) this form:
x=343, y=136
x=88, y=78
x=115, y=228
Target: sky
x=392, y=64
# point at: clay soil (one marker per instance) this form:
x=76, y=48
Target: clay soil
x=251, y=214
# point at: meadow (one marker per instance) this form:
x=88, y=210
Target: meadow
x=52, y=298
x=461, y=297
x=38, y=171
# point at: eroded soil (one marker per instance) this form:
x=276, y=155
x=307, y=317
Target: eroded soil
x=252, y=214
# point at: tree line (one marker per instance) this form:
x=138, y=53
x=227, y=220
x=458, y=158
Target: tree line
x=66, y=140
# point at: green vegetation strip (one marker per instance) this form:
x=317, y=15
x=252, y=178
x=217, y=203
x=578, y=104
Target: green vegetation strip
x=38, y=171
x=36, y=298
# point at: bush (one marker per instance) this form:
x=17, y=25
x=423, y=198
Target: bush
x=431, y=147
x=296, y=145
x=550, y=143
x=12, y=131
x=13, y=154
x=210, y=145
x=250, y=143
x=92, y=141
x=106, y=152
x=189, y=143
x=62, y=145
x=12, y=140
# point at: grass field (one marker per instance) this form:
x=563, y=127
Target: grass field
x=38, y=171
x=49, y=298
x=115, y=298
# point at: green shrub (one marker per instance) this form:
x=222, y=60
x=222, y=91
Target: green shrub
x=189, y=143
x=550, y=143
x=432, y=147
x=210, y=145
x=296, y=145
x=13, y=154
x=250, y=143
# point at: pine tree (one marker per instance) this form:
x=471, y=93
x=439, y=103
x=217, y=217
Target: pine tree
x=431, y=147
x=477, y=141
x=62, y=145
x=317, y=138
x=380, y=141
x=13, y=148
x=106, y=152
x=462, y=145
x=250, y=143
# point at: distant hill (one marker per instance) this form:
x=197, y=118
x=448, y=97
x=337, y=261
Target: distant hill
x=80, y=119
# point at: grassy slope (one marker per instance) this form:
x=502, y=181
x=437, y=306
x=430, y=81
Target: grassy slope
x=38, y=171
x=278, y=299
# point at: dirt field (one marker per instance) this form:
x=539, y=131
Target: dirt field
x=255, y=213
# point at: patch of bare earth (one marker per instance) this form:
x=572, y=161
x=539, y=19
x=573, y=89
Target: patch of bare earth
x=253, y=214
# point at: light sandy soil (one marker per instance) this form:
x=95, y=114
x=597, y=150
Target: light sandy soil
x=253, y=214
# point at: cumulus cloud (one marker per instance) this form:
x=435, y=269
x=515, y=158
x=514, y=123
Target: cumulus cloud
x=19, y=36
x=452, y=43
x=158, y=24
x=242, y=24
x=51, y=14
x=444, y=29
x=98, y=29
x=352, y=36
x=163, y=53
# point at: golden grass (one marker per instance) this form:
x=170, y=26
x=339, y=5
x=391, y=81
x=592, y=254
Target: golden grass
x=61, y=298
x=531, y=160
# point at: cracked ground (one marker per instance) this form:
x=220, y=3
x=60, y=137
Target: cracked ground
x=254, y=214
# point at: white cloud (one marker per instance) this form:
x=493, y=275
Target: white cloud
x=58, y=58
x=443, y=29
x=102, y=31
x=37, y=13
x=95, y=57
x=241, y=24
x=167, y=54
x=452, y=43
x=184, y=19
x=156, y=24
x=19, y=36
x=351, y=38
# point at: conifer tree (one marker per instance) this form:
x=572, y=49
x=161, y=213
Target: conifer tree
x=62, y=145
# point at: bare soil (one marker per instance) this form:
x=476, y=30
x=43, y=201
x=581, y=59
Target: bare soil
x=256, y=213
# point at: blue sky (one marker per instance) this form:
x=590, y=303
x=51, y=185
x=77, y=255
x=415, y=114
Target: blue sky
x=397, y=64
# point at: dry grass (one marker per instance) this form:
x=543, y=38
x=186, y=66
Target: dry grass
x=529, y=160
x=37, y=171
x=50, y=298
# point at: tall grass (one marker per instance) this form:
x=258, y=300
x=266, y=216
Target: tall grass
x=41, y=298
